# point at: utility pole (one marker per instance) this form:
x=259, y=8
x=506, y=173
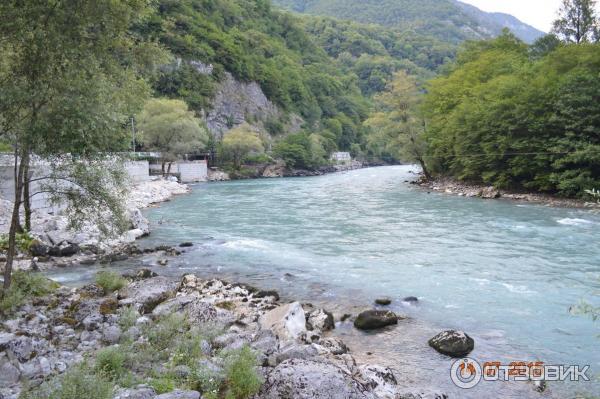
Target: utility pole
x=133, y=133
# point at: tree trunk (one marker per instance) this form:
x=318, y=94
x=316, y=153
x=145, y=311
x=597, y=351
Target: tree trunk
x=169, y=169
x=14, y=222
x=162, y=168
x=26, y=195
x=425, y=170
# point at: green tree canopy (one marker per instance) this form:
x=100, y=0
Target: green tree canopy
x=240, y=142
x=577, y=21
x=167, y=126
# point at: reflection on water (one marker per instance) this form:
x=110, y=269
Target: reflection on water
x=506, y=273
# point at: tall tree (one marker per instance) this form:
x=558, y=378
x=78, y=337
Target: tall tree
x=397, y=127
x=69, y=79
x=169, y=127
x=577, y=21
x=240, y=142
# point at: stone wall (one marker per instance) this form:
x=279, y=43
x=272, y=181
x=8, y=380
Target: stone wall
x=138, y=171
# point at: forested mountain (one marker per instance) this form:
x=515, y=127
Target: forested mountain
x=447, y=20
x=255, y=43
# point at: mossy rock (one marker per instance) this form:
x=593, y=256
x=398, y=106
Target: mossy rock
x=109, y=306
x=227, y=305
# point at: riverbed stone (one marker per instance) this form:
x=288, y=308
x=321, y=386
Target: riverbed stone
x=452, y=343
x=178, y=394
x=140, y=392
x=413, y=300
x=311, y=379
x=319, y=319
x=333, y=345
x=288, y=322
x=375, y=319
x=149, y=293
x=384, y=301
x=380, y=379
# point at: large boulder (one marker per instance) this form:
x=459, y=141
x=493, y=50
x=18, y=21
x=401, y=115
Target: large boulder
x=140, y=392
x=312, y=379
x=452, y=343
x=288, y=322
x=375, y=319
x=149, y=293
x=198, y=311
x=319, y=319
x=381, y=380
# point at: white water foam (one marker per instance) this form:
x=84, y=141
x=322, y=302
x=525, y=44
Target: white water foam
x=574, y=222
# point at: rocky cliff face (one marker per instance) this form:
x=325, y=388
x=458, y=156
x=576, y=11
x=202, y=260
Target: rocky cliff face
x=236, y=103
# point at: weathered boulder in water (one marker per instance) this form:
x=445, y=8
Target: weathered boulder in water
x=64, y=249
x=186, y=244
x=452, y=343
x=310, y=379
x=375, y=319
x=319, y=319
x=288, y=321
x=333, y=345
x=149, y=293
x=383, y=301
x=413, y=300
x=266, y=293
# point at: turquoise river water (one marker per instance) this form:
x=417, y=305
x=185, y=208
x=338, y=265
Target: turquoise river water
x=504, y=272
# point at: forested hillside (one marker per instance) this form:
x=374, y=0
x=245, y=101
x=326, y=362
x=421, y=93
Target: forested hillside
x=374, y=53
x=446, y=20
x=256, y=43
x=518, y=117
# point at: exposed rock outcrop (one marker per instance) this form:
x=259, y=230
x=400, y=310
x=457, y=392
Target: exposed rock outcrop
x=452, y=343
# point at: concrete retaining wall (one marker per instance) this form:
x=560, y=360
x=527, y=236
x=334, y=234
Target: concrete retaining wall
x=138, y=171
x=188, y=172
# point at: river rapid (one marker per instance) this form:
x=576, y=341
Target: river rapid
x=504, y=272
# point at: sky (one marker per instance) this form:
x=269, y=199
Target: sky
x=537, y=13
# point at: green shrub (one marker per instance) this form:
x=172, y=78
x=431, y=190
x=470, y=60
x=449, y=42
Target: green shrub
x=79, y=382
x=164, y=331
x=111, y=362
x=242, y=378
x=24, y=285
x=110, y=281
x=163, y=384
x=257, y=159
x=127, y=317
x=23, y=241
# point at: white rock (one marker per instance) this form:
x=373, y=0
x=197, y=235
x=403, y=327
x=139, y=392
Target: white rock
x=288, y=322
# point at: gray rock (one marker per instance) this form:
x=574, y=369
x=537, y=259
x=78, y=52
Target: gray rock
x=149, y=293
x=310, y=379
x=452, y=343
x=24, y=348
x=319, y=319
x=288, y=322
x=177, y=394
x=92, y=322
x=381, y=380
x=37, y=368
x=9, y=374
x=421, y=395
x=111, y=335
x=333, y=345
x=383, y=301
x=375, y=319
x=413, y=300
x=293, y=351
x=5, y=339
x=197, y=311
x=140, y=392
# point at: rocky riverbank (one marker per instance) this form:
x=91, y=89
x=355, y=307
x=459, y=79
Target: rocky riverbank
x=454, y=187
x=295, y=355
x=56, y=245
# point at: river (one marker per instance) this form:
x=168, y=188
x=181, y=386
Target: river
x=504, y=272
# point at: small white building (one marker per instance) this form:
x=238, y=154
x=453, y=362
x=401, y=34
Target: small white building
x=341, y=157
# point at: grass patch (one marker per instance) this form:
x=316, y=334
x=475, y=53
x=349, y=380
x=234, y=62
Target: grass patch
x=110, y=281
x=23, y=241
x=24, y=285
x=127, y=317
x=242, y=380
x=81, y=381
